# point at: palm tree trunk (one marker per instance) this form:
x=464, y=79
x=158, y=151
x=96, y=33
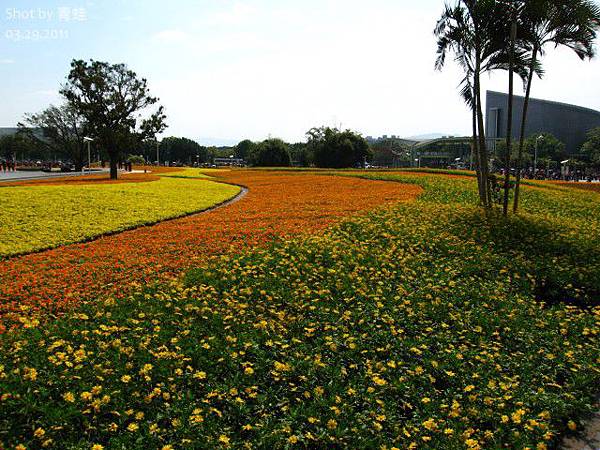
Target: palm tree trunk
x=513, y=37
x=522, y=135
x=475, y=149
x=483, y=155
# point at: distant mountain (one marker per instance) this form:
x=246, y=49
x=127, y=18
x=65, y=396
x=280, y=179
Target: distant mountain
x=426, y=137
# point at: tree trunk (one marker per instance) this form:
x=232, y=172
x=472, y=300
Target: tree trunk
x=483, y=155
x=513, y=37
x=522, y=135
x=475, y=149
x=114, y=174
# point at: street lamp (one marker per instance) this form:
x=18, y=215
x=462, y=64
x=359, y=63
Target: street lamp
x=563, y=168
x=535, y=156
x=89, y=140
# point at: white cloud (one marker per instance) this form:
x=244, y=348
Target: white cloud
x=238, y=14
x=171, y=36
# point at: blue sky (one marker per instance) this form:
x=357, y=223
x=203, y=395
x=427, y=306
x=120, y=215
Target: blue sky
x=232, y=69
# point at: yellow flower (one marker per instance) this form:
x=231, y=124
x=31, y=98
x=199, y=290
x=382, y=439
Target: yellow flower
x=30, y=374
x=379, y=381
x=282, y=367
x=430, y=424
x=472, y=443
x=572, y=425
x=167, y=447
x=224, y=440
x=39, y=432
x=96, y=390
x=292, y=439
x=20, y=447
x=133, y=427
x=248, y=370
x=86, y=396
x=200, y=375
x=331, y=424
x=69, y=397
x=126, y=378
x=517, y=416
x=97, y=447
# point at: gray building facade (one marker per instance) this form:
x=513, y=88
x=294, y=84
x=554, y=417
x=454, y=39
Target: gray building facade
x=569, y=123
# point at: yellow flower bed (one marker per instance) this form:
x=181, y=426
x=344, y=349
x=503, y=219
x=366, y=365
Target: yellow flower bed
x=34, y=218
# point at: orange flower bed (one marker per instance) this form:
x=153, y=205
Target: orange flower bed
x=277, y=205
x=593, y=187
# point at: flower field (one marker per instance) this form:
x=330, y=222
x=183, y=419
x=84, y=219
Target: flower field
x=38, y=217
x=422, y=324
x=277, y=205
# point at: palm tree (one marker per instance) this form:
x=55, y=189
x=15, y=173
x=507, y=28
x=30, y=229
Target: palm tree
x=513, y=38
x=454, y=34
x=569, y=23
x=475, y=31
x=460, y=30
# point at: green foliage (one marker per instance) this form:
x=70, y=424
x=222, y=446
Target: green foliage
x=136, y=159
x=111, y=97
x=386, y=152
x=273, y=153
x=19, y=146
x=301, y=154
x=184, y=150
x=549, y=147
x=333, y=148
x=592, y=146
x=246, y=149
x=60, y=131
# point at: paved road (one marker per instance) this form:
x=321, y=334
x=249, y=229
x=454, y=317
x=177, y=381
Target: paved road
x=18, y=175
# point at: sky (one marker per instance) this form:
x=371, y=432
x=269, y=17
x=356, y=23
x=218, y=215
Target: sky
x=227, y=70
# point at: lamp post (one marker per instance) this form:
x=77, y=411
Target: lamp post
x=535, y=156
x=563, y=168
x=89, y=140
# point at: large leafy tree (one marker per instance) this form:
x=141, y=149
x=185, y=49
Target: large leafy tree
x=62, y=132
x=547, y=145
x=592, y=146
x=569, y=23
x=273, y=153
x=182, y=150
x=115, y=103
x=17, y=146
x=245, y=149
x=333, y=148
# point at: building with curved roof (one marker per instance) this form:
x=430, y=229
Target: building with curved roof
x=569, y=123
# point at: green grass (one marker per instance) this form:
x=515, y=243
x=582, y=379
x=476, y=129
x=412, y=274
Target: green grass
x=34, y=218
x=424, y=325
